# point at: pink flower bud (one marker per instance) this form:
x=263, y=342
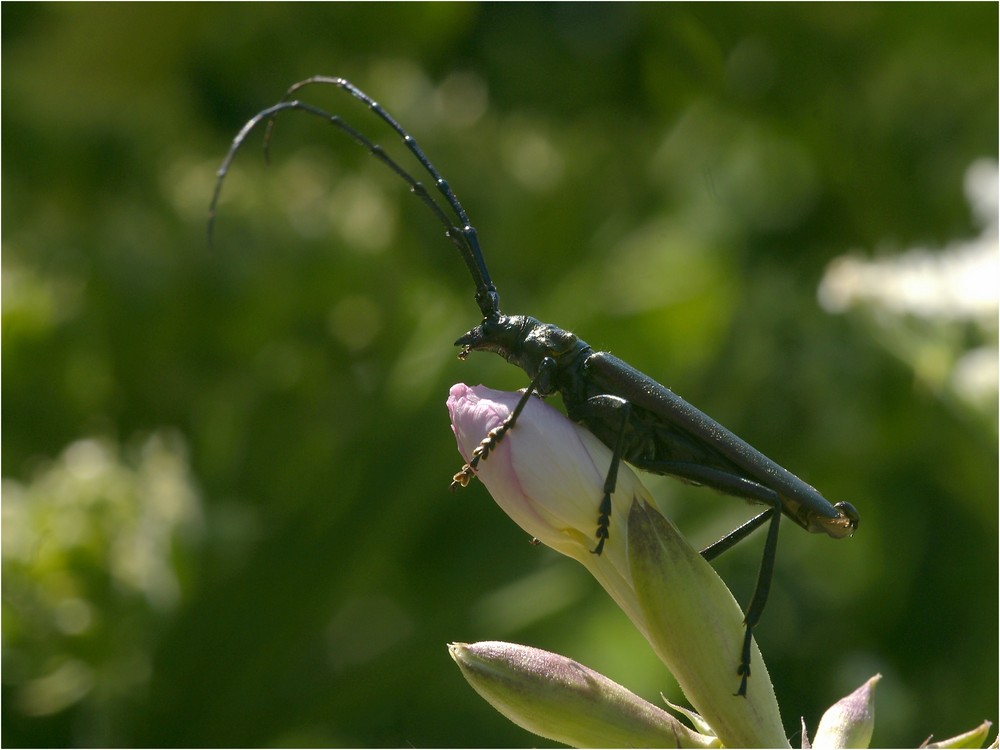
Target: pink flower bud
x=549, y=479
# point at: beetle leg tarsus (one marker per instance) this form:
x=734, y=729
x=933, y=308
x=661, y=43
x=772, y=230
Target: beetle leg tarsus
x=462, y=478
x=603, y=523
x=743, y=670
x=611, y=480
x=481, y=453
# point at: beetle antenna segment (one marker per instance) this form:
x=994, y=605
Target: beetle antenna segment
x=462, y=234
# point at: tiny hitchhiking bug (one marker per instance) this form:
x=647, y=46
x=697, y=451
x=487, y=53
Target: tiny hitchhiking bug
x=643, y=422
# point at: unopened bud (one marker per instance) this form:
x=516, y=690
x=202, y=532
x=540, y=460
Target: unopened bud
x=562, y=700
x=849, y=722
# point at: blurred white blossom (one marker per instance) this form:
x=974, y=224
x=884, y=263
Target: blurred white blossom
x=924, y=301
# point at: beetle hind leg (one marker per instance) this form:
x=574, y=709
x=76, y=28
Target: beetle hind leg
x=759, y=598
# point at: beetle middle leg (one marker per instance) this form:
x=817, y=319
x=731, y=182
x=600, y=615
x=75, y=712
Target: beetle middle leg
x=609, y=411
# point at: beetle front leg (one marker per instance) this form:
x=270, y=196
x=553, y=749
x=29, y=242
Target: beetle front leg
x=483, y=450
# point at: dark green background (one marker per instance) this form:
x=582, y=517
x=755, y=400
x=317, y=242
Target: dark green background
x=670, y=181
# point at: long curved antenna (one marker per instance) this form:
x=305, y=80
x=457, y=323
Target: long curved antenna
x=463, y=237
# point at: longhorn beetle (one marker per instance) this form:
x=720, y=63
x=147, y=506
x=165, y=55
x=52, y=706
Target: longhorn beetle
x=642, y=421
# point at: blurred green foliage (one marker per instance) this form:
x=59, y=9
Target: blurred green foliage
x=226, y=518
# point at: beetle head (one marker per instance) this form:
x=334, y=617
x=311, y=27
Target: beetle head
x=522, y=341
